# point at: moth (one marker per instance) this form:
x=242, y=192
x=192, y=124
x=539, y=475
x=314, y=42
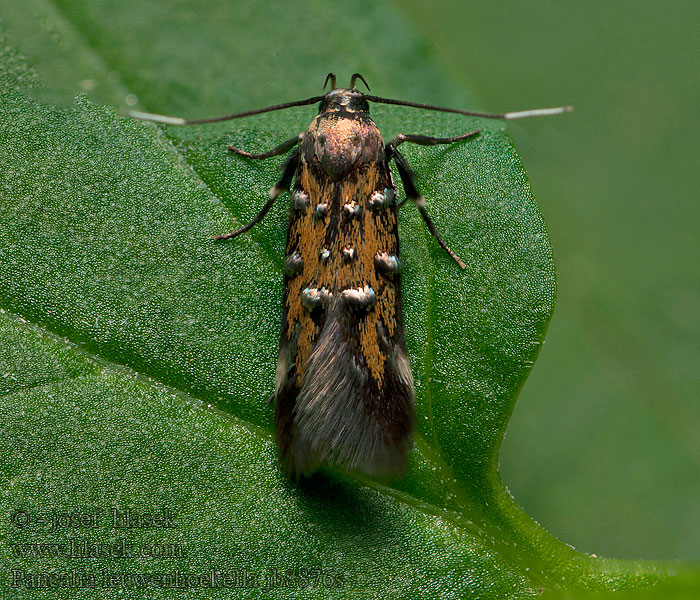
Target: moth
x=344, y=393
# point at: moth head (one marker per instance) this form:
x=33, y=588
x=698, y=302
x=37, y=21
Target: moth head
x=345, y=99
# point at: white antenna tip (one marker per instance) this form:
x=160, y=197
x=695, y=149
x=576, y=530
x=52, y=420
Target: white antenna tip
x=538, y=112
x=143, y=116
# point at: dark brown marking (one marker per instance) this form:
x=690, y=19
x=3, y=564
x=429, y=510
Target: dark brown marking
x=387, y=264
x=293, y=264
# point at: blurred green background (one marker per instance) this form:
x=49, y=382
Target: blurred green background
x=603, y=448
x=604, y=445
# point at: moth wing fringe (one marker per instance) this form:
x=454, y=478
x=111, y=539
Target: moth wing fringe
x=334, y=418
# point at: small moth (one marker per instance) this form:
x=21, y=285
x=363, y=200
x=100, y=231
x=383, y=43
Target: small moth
x=344, y=393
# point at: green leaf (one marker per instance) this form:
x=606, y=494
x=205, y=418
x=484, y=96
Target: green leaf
x=683, y=587
x=138, y=355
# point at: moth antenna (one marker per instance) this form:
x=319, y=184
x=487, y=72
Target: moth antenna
x=144, y=116
x=509, y=116
x=355, y=77
x=331, y=77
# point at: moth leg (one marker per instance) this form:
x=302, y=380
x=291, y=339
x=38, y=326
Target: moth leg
x=424, y=140
x=408, y=179
x=427, y=140
x=281, y=149
x=288, y=170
